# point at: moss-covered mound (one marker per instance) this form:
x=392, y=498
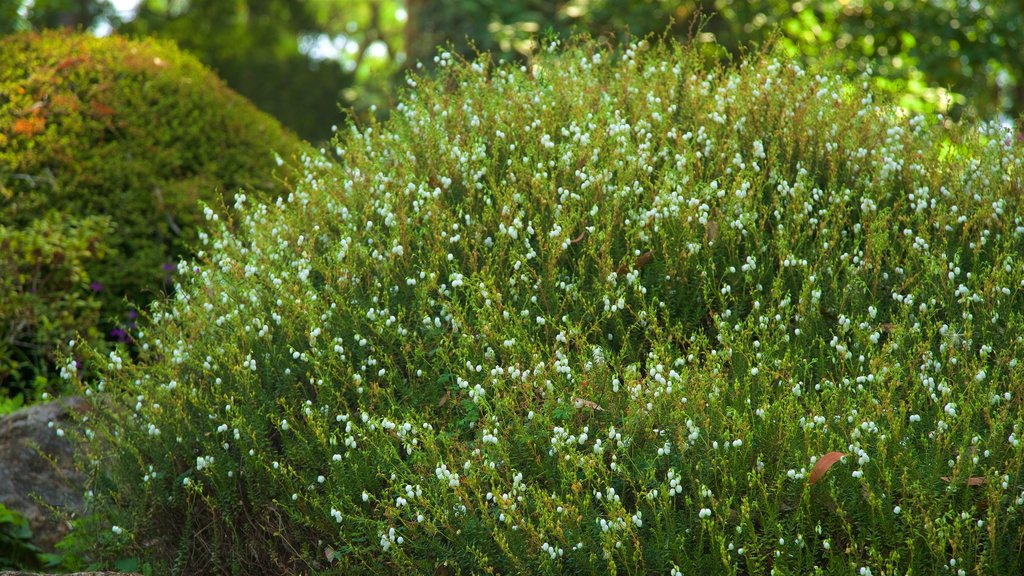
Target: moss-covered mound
x=136, y=132
x=613, y=312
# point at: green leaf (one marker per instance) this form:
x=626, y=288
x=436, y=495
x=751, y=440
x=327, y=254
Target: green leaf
x=127, y=565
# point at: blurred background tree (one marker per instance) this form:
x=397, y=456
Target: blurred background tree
x=298, y=59
x=256, y=47
x=940, y=55
x=16, y=15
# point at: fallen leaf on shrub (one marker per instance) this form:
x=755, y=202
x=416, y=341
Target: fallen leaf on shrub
x=444, y=399
x=822, y=466
x=712, y=231
x=972, y=481
x=644, y=259
x=329, y=553
x=579, y=238
x=641, y=261
x=588, y=403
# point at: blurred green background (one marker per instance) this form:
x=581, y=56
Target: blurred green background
x=304, y=61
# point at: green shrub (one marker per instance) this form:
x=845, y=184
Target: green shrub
x=46, y=296
x=599, y=314
x=135, y=131
x=16, y=548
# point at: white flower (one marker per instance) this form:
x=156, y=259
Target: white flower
x=758, y=149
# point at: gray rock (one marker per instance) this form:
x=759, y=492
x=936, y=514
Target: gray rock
x=36, y=468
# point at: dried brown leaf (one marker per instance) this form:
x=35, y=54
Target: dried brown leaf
x=588, y=403
x=822, y=466
x=641, y=261
x=644, y=259
x=712, y=231
x=972, y=481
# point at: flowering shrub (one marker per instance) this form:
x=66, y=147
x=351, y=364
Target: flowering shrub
x=608, y=312
x=134, y=132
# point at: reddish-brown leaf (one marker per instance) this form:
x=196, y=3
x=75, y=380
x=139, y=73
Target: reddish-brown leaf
x=644, y=259
x=641, y=261
x=29, y=126
x=444, y=399
x=579, y=238
x=822, y=466
x=102, y=109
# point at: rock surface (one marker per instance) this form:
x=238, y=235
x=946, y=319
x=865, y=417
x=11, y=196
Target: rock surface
x=36, y=464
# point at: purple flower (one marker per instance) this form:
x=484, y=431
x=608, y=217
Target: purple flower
x=95, y=286
x=169, y=267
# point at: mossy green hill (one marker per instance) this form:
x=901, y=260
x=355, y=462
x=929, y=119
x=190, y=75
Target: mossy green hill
x=107, y=147
x=601, y=313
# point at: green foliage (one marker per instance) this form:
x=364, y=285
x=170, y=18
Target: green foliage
x=935, y=56
x=941, y=55
x=45, y=296
x=255, y=46
x=597, y=314
x=22, y=15
x=16, y=548
x=106, y=148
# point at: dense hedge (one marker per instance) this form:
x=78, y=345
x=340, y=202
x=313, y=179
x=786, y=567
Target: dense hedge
x=135, y=132
x=604, y=313
x=44, y=297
